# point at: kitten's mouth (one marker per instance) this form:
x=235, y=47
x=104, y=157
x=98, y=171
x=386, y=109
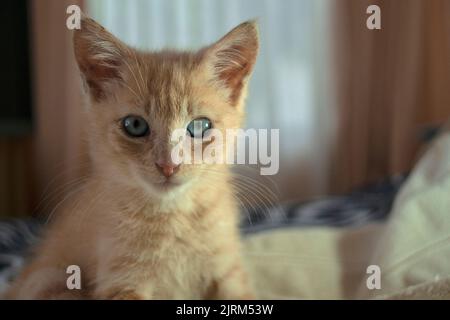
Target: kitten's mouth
x=168, y=184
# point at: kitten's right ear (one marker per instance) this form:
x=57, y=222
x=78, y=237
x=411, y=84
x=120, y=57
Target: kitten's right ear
x=232, y=58
x=99, y=56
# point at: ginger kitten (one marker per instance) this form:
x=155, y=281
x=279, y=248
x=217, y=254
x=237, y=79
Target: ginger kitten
x=142, y=227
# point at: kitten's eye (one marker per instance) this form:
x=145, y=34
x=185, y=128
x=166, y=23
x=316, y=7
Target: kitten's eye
x=197, y=128
x=135, y=126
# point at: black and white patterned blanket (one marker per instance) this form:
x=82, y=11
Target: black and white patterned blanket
x=16, y=238
x=355, y=209
x=364, y=205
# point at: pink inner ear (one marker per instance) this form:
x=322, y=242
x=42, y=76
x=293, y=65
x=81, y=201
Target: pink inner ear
x=97, y=74
x=234, y=57
x=233, y=66
x=98, y=62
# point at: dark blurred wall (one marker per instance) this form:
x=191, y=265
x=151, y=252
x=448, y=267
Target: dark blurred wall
x=15, y=110
x=47, y=158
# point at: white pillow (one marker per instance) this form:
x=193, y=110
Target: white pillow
x=414, y=246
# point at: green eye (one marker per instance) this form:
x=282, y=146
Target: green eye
x=197, y=128
x=135, y=126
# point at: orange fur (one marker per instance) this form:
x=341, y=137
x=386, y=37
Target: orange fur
x=132, y=237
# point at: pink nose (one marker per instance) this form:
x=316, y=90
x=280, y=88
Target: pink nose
x=167, y=169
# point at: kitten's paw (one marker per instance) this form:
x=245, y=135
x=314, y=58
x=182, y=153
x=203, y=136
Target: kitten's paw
x=122, y=295
x=247, y=296
x=128, y=296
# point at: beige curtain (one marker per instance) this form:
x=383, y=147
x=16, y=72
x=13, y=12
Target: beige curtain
x=58, y=149
x=389, y=83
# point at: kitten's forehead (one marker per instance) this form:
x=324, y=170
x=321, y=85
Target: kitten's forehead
x=169, y=113
x=163, y=81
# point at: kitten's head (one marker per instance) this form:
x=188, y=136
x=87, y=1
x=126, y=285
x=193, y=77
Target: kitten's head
x=138, y=98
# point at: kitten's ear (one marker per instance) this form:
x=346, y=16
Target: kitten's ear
x=99, y=56
x=233, y=57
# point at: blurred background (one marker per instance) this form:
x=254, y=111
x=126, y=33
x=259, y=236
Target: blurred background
x=354, y=106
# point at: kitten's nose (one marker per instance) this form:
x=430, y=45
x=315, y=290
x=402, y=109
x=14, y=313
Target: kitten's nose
x=167, y=169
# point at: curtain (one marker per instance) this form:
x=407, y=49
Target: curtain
x=58, y=149
x=390, y=84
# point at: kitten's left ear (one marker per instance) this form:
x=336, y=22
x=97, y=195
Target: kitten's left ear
x=232, y=58
x=99, y=55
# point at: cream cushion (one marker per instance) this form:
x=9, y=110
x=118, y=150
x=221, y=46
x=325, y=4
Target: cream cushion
x=412, y=248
